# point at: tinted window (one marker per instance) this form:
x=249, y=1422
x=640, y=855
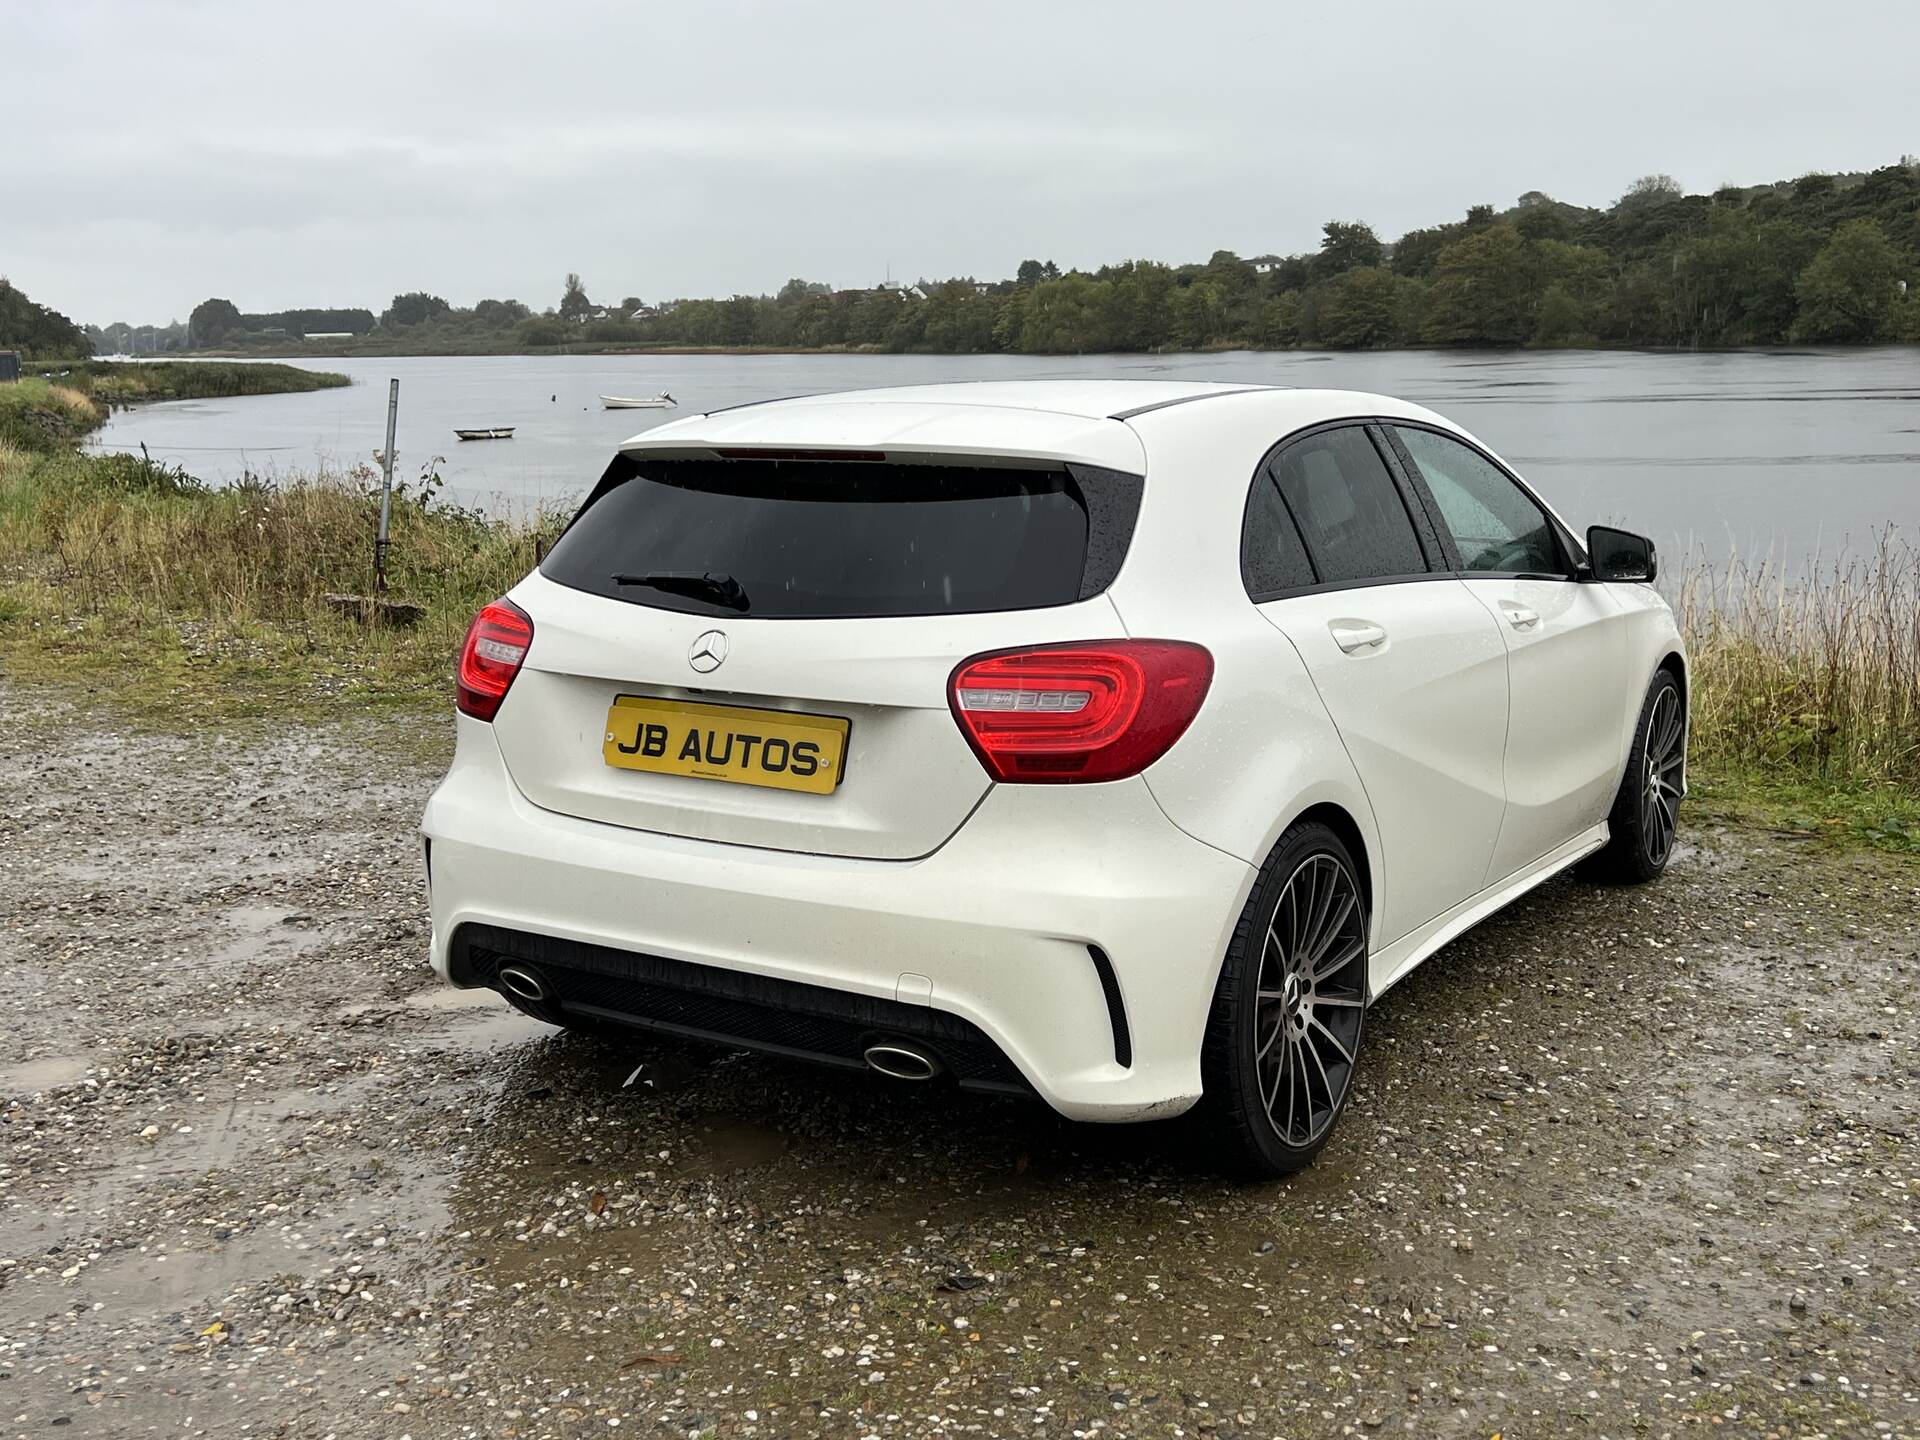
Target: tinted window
x=1495, y=526
x=1271, y=555
x=813, y=539
x=1348, y=508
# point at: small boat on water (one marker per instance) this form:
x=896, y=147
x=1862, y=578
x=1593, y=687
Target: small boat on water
x=492, y=432
x=662, y=401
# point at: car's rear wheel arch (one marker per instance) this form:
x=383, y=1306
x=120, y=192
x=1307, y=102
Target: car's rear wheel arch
x=1338, y=820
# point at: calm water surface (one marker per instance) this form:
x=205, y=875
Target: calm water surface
x=1789, y=452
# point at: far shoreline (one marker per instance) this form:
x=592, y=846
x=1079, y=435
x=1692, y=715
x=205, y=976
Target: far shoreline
x=351, y=352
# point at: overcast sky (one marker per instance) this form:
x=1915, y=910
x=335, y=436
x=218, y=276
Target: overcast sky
x=296, y=154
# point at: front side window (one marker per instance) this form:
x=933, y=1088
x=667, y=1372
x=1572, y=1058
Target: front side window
x=1348, y=509
x=1495, y=525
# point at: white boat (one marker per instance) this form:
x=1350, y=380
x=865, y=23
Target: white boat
x=662, y=401
x=491, y=432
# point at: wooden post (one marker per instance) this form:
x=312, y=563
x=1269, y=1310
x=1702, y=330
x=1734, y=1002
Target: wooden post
x=386, y=489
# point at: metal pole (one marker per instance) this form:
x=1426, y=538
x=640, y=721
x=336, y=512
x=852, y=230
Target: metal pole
x=386, y=488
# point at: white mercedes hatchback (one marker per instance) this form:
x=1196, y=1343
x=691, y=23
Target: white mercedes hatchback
x=1113, y=742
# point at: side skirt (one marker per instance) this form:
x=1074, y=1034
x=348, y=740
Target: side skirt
x=1398, y=960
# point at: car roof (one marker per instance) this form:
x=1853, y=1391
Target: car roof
x=1088, y=399
x=1068, y=421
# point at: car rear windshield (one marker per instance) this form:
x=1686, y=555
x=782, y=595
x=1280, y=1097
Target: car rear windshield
x=813, y=539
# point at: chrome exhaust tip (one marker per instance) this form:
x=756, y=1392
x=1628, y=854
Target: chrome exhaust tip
x=902, y=1062
x=522, y=984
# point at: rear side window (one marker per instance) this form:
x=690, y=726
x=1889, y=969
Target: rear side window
x=1272, y=557
x=1348, y=508
x=1495, y=526
x=819, y=539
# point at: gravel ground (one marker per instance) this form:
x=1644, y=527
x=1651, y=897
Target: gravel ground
x=1621, y=1163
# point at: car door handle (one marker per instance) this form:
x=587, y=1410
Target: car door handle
x=1519, y=616
x=1354, y=635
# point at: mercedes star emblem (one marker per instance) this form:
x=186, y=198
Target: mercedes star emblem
x=708, y=651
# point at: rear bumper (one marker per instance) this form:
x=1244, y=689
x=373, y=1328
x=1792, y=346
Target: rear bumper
x=990, y=936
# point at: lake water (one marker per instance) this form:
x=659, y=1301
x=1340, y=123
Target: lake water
x=1789, y=452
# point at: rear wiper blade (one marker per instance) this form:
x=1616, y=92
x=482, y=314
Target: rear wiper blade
x=721, y=589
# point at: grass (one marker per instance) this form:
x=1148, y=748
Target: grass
x=38, y=415
x=54, y=406
x=1834, y=813
x=192, y=602
x=189, y=600
x=116, y=382
x=1806, y=693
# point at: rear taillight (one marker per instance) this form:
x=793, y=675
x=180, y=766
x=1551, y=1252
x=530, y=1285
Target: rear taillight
x=1060, y=714
x=496, y=647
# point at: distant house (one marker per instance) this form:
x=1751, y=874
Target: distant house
x=329, y=335
x=9, y=365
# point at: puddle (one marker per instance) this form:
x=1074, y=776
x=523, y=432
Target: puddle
x=481, y=1019
x=163, y=1281
x=445, y=997
x=738, y=1145
x=261, y=930
x=496, y=1031
x=435, y=999
x=33, y=1076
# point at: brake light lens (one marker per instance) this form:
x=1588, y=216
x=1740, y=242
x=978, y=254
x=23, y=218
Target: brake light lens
x=496, y=647
x=1068, y=714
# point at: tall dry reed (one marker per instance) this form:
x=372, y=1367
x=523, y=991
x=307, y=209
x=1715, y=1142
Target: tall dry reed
x=120, y=533
x=1818, y=671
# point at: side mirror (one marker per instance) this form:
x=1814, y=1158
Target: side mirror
x=1621, y=554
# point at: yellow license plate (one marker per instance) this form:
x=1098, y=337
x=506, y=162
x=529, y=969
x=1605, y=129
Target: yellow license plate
x=779, y=749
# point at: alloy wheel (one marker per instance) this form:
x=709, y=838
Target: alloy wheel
x=1309, y=999
x=1666, y=751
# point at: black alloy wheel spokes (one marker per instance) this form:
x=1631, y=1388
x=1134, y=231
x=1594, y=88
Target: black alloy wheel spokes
x=1666, y=753
x=1309, y=998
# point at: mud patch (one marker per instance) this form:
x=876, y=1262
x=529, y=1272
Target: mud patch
x=726, y=1145
x=55, y=1072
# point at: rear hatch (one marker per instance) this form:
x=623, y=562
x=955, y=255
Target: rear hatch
x=754, y=647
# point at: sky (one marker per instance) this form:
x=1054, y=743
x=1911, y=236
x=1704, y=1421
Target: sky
x=285, y=155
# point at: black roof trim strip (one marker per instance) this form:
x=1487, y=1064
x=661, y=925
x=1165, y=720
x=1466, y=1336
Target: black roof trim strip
x=770, y=400
x=1189, y=399
x=864, y=390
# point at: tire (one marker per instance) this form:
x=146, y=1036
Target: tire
x=1284, y=1034
x=1646, y=811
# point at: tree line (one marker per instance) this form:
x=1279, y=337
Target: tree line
x=1821, y=259
x=35, y=330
